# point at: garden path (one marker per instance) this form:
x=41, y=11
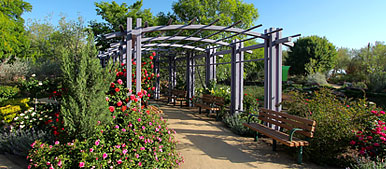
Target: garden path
x=206, y=143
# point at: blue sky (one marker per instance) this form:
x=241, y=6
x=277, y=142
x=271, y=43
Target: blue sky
x=345, y=23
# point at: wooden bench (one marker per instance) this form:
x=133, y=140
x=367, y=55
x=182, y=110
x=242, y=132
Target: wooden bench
x=289, y=124
x=177, y=95
x=155, y=109
x=210, y=103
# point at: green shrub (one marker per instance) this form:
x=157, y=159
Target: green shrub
x=18, y=141
x=367, y=163
x=12, y=72
x=335, y=118
x=8, y=91
x=317, y=78
x=235, y=123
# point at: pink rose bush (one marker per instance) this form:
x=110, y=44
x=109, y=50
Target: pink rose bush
x=371, y=140
x=135, y=138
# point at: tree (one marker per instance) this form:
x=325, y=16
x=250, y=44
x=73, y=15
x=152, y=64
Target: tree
x=13, y=39
x=310, y=55
x=206, y=11
x=116, y=15
x=84, y=81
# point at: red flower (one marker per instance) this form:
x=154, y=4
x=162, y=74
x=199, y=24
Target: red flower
x=119, y=103
x=134, y=63
x=117, y=89
x=151, y=57
x=124, y=108
x=152, y=66
x=132, y=97
x=111, y=108
x=153, y=53
x=135, y=100
x=153, y=88
x=56, y=133
x=112, y=85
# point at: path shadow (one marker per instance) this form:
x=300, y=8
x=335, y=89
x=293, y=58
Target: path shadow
x=218, y=149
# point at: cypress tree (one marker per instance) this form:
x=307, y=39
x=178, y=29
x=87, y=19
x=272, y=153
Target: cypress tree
x=84, y=81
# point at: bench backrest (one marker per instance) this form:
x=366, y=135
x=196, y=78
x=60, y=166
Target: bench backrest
x=179, y=93
x=288, y=121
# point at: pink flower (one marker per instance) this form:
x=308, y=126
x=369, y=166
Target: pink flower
x=111, y=108
x=104, y=155
x=81, y=164
x=119, y=103
x=143, y=127
x=142, y=148
x=352, y=142
x=117, y=127
x=141, y=137
x=56, y=142
x=107, y=99
x=150, y=123
x=33, y=144
x=136, y=155
x=48, y=163
x=60, y=163
x=132, y=97
x=139, y=119
x=124, y=151
x=120, y=81
x=97, y=142
x=123, y=130
x=140, y=163
x=119, y=161
x=382, y=112
x=91, y=150
x=376, y=144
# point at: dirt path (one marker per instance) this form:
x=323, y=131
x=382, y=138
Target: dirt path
x=208, y=144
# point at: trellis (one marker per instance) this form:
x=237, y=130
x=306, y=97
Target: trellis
x=136, y=42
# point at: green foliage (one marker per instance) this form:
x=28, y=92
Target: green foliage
x=18, y=141
x=12, y=72
x=235, y=123
x=13, y=38
x=335, y=118
x=85, y=81
x=206, y=11
x=317, y=78
x=8, y=91
x=368, y=66
x=116, y=15
x=310, y=55
x=367, y=163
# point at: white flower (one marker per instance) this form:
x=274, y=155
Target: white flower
x=40, y=83
x=22, y=122
x=33, y=114
x=16, y=118
x=45, y=116
x=21, y=126
x=33, y=75
x=30, y=121
x=26, y=117
x=40, y=118
x=22, y=114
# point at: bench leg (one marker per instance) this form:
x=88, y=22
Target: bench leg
x=300, y=155
x=217, y=118
x=274, y=145
x=256, y=136
x=208, y=112
x=199, y=110
x=181, y=103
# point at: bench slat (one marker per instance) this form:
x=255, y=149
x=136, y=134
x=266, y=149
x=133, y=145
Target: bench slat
x=304, y=120
x=286, y=122
x=279, y=136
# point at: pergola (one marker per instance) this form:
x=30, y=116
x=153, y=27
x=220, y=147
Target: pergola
x=137, y=41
